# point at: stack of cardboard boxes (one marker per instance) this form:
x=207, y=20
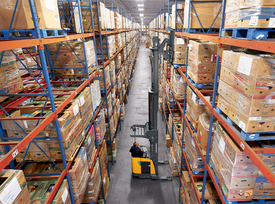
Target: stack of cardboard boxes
x=207, y=13
x=179, y=21
x=202, y=61
x=70, y=124
x=111, y=40
x=203, y=130
x=246, y=90
x=114, y=150
x=47, y=14
x=14, y=187
x=103, y=156
x=10, y=79
x=93, y=186
x=194, y=158
x=173, y=163
x=79, y=175
x=263, y=189
x=100, y=126
x=179, y=51
x=249, y=14
x=236, y=172
x=71, y=55
x=89, y=145
x=195, y=107
x=178, y=84
x=104, y=82
x=40, y=190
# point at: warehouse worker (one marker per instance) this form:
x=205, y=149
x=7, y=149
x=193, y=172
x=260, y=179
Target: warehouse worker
x=136, y=151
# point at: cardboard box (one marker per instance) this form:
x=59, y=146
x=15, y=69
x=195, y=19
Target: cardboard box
x=250, y=107
x=168, y=141
x=231, y=21
x=203, y=131
x=201, y=78
x=246, y=123
x=233, y=5
x=227, y=76
x=260, y=88
x=62, y=195
x=257, y=17
x=14, y=187
x=207, y=13
x=186, y=179
x=47, y=13
x=256, y=3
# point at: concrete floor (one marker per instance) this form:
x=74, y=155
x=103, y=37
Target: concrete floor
x=123, y=188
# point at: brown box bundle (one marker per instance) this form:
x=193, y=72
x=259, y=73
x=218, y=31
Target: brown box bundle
x=93, y=186
x=39, y=191
x=201, y=61
x=233, y=167
x=10, y=79
x=168, y=141
x=246, y=90
x=47, y=13
x=206, y=12
x=14, y=187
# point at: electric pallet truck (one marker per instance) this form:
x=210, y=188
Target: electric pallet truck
x=147, y=165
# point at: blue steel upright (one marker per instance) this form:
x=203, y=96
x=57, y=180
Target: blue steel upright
x=50, y=93
x=213, y=100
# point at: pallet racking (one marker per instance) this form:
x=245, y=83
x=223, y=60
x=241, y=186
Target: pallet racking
x=46, y=88
x=265, y=46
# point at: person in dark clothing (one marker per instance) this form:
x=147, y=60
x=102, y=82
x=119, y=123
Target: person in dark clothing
x=136, y=151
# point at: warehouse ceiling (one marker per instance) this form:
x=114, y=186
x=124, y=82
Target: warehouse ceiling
x=150, y=9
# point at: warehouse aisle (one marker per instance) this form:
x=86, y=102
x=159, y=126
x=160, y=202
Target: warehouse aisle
x=123, y=188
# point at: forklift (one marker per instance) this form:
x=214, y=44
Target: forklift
x=147, y=165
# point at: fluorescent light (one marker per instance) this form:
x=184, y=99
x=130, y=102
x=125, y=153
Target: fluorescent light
x=141, y=9
x=140, y=5
x=141, y=14
x=142, y=19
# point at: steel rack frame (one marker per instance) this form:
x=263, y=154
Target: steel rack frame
x=266, y=46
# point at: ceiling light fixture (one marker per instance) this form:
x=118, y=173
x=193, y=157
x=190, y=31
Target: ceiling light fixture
x=141, y=9
x=141, y=14
x=140, y=5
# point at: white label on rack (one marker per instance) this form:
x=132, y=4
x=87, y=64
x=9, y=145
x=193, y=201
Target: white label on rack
x=242, y=145
x=245, y=64
x=49, y=4
x=10, y=192
x=242, y=125
x=255, y=118
x=222, y=145
x=14, y=154
x=72, y=70
x=194, y=97
x=253, y=20
x=75, y=110
x=26, y=124
x=89, y=140
x=193, y=143
x=201, y=102
x=47, y=134
x=180, y=41
x=82, y=101
x=65, y=195
x=271, y=23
